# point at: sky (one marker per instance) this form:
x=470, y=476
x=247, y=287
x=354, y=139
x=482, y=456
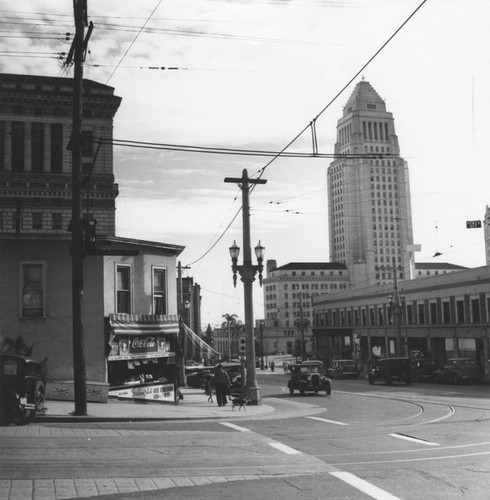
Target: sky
x=252, y=74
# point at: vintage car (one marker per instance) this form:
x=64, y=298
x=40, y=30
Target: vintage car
x=390, y=370
x=22, y=389
x=196, y=375
x=459, y=370
x=423, y=369
x=308, y=376
x=343, y=368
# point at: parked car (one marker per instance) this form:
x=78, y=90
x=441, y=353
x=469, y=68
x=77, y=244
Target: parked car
x=308, y=376
x=390, y=370
x=343, y=368
x=196, y=375
x=22, y=389
x=459, y=370
x=423, y=369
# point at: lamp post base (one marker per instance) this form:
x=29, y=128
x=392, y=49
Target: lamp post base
x=254, y=394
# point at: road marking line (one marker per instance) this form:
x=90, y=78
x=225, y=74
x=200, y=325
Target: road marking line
x=364, y=486
x=415, y=440
x=328, y=421
x=284, y=448
x=236, y=427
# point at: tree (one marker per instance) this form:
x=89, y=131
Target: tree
x=208, y=336
x=233, y=324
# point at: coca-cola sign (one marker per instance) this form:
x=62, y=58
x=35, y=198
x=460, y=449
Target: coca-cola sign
x=143, y=344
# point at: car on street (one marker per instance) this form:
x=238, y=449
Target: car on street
x=196, y=375
x=309, y=376
x=423, y=369
x=343, y=368
x=458, y=370
x=22, y=389
x=390, y=370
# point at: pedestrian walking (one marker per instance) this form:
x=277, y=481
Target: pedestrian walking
x=208, y=388
x=222, y=385
x=272, y=366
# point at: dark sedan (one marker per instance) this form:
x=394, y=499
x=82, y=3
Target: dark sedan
x=458, y=370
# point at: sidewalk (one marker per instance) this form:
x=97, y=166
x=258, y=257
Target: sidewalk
x=194, y=406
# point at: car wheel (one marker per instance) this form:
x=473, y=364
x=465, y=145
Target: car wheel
x=19, y=415
x=291, y=390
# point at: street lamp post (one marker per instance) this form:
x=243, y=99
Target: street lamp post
x=396, y=303
x=247, y=273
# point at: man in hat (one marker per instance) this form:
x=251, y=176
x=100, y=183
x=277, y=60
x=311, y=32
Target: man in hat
x=222, y=384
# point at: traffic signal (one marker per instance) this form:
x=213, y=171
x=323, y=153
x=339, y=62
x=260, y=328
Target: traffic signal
x=243, y=346
x=89, y=229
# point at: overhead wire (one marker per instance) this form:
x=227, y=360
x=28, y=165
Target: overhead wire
x=134, y=40
x=261, y=172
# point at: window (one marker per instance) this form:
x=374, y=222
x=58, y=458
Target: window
x=433, y=313
x=123, y=290
x=409, y=314
x=56, y=221
x=18, y=139
x=475, y=311
x=421, y=312
x=32, y=281
x=159, y=291
x=37, y=147
x=460, y=311
x=446, y=313
x=37, y=220
x=56, y=148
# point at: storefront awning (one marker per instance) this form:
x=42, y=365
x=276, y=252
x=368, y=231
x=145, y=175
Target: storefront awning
x=143, y=324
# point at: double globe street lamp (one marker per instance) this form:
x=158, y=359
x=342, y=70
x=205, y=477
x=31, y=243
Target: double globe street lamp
x=247, y=273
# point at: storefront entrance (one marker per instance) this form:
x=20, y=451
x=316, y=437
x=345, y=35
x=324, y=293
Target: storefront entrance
x=143, y=361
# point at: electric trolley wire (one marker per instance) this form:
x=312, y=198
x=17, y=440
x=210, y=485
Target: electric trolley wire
x=134, y=40
x=292, y=141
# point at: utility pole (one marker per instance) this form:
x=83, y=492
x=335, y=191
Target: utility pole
x=247, y=272
x=79, y=373
x=302, y=327
x=180, y=309
x=397, y=310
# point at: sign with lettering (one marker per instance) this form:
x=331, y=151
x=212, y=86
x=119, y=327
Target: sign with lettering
x=140, y=347
x=155, y=392
x=143, y=344
x=473, y=223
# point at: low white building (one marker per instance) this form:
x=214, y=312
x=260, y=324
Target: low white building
x=440, y=316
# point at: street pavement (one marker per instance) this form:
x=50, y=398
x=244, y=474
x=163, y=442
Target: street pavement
x=193, y=406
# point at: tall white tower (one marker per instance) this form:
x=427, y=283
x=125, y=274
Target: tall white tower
x=370, y=213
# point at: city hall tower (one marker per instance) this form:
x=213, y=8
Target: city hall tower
x=370, y=220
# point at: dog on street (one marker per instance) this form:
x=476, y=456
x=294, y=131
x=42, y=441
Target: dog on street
x=240, y=401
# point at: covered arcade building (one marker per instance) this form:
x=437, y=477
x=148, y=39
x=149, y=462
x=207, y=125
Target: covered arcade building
x=444, y=316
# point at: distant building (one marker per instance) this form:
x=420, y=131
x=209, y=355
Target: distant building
x=370, y=217
x=424, y=269
x=486, y=232
x=288, y=291
x=442, y=316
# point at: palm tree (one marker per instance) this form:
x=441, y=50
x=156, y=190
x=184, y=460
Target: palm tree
x=231, y=321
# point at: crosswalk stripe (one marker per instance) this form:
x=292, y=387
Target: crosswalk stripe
x=327, y=421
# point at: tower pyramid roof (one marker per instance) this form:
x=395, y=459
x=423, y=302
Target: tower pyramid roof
x=362, y=95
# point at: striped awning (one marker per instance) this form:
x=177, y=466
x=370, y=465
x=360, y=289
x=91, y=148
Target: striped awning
x=143, y=324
